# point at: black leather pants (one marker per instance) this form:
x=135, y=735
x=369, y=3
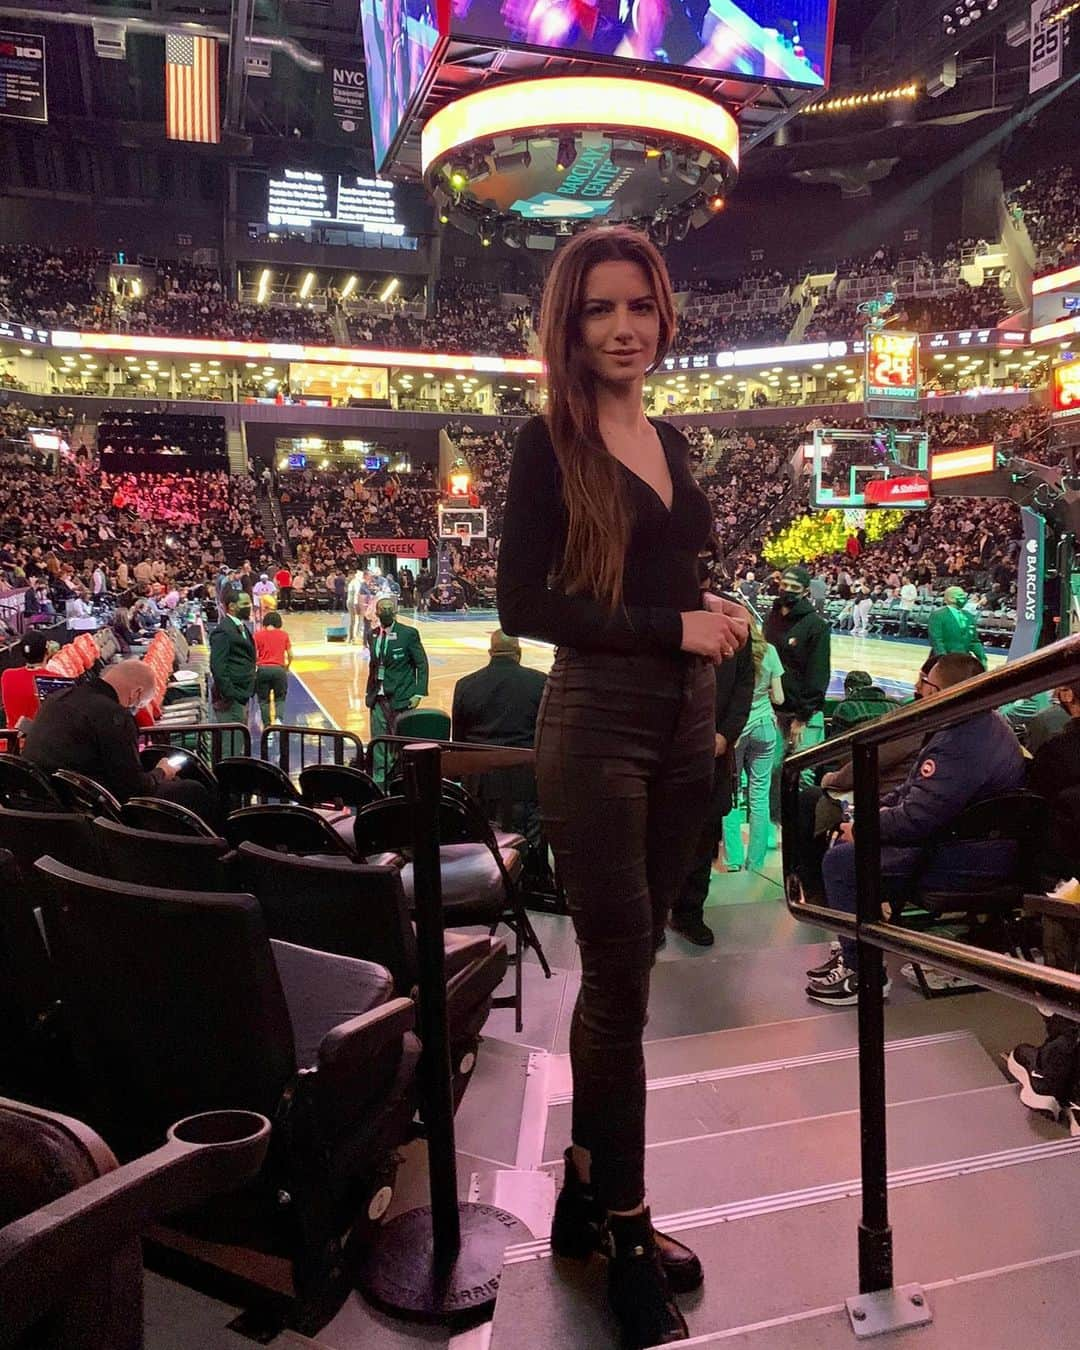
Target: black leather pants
x=624, y=769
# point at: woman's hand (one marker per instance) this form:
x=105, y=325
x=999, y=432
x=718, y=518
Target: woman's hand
x=717, y=635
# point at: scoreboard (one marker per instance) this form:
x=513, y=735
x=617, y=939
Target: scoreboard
x=892, y=375
x=1065, y=391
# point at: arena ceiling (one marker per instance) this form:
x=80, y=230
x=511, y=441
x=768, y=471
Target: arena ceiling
x=285, y=116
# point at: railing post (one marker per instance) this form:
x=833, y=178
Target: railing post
x=441, y=1263
x=875, y=1234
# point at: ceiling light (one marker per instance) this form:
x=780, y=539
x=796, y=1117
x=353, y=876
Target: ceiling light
x=307, y=286
x=264, y=286
x=348, y=288
x=388, y=290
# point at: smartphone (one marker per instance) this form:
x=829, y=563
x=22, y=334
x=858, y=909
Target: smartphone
x=177, y=761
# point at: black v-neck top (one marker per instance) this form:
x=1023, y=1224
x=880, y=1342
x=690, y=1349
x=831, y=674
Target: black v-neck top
x=660, y=578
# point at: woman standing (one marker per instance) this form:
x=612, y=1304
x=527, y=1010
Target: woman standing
x=603, y=527
x=754, y=752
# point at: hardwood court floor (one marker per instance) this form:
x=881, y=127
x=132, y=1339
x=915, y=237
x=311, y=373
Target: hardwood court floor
x=336, y=675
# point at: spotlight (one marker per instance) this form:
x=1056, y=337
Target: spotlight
x=486, y=230
x=567, y=153
x=716, y=203
x=513, y=233
x=681, y=228
x=665, y=166
x=459, y=177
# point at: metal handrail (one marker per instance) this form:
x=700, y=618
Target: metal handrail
x=1052, y=990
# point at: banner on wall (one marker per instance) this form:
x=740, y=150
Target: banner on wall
x=1047, y=46
x=22, y=77
x=397, y=548
x=346, y=92
x=1030, y=576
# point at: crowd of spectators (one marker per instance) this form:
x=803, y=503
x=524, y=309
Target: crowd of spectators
x=469, y=317
x=1048, y=203
x=324, y=509
x=73, y=532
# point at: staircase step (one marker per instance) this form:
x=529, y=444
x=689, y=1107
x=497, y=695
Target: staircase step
x=763, y=1160
x=796, y=1257
x=1033, y=1303
x=739, y=1097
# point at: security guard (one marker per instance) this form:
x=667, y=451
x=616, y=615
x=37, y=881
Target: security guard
x=232, y=663
x=973, y=759
x=397, y=673
x=953, y=629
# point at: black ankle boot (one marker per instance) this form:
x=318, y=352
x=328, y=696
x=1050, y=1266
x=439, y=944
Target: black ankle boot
x=638, y=1290
x=577, y=1230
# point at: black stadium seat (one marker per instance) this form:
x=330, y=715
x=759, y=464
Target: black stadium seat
x=177, y=1002
x=24, y=786
x=70, y=1262
x=146, y=857
x=287, y=828
x=361, y=911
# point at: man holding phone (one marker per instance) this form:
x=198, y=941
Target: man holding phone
x=90, y=729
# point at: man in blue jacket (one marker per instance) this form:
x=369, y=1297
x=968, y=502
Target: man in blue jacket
x=962, y=764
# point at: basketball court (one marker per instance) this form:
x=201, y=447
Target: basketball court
x=336, y=675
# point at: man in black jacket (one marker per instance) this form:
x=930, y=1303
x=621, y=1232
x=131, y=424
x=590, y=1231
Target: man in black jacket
x=734, y=694
x=90, y=729
x=1049, y=1074
x=498, y=706
x=802, y=640
x=232, y=665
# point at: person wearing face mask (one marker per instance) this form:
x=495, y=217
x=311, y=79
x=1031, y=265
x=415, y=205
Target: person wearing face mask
x=801, y=637
x=953, y=629
x=397, y=673
x=90, y=729
x=232, y=661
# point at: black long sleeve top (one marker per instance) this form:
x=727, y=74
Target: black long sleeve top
x=660, y=576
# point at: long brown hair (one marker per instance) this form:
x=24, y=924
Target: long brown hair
x=598, y=520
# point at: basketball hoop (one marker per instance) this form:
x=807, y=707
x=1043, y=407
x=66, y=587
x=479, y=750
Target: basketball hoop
x=463, y=531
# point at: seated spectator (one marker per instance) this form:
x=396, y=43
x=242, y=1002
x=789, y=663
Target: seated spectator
x=90, y=729
x=962, y=764
x=1049, y=1074
x=498, y=706
x=863, y=701
x=18, y=689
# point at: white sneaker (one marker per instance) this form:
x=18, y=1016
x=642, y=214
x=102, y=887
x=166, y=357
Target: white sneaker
x=936, y=980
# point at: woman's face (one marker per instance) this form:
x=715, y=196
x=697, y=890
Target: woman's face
x=620, y=322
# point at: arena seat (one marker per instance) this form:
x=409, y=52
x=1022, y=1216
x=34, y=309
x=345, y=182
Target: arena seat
x=23, y=786
x=143, y=856
x=287, y=828
x=70, y=1219
x=338, y=785
x=243, y=780
x=178, y=1002
x=194, y=768
x=992, y=905
x=33, y=1053
x=80, y=793
x=361, y=911
x=479, y=884
x=164, y=817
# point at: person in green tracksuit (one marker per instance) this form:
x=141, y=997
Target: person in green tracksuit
x=397, y=675
x=953, y=629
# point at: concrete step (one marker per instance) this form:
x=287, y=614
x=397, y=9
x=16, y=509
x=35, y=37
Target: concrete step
x=792, y=1155
x=793, y=1256
x=735, y=1097
x=1033, y=1303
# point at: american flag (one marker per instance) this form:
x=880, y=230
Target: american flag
x=191, y=88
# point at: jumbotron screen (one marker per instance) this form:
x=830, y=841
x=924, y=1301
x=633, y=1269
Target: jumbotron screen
x=400, y=40
x=781, y=41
